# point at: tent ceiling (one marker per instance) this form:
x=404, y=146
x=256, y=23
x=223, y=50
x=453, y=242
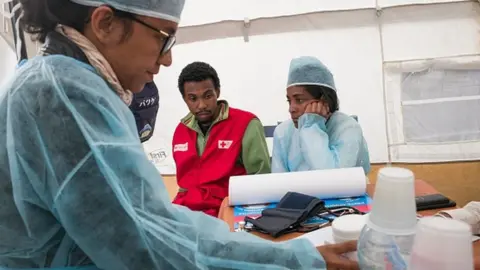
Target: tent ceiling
x=442, y=9
x=215, y=19
x=294, y=23
x=214, y=11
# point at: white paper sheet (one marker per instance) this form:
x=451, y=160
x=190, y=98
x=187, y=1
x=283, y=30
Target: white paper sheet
x=319, y=237
x=270, y=188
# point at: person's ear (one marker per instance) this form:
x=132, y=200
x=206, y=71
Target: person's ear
x=105, y=26
x=217, y=91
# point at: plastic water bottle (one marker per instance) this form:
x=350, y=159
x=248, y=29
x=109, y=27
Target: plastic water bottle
x=381, y=251
x=386, y=241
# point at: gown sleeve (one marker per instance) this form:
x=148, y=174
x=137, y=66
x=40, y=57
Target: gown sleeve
x=319, y=152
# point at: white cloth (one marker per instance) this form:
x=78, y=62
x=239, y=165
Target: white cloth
x=469, y=214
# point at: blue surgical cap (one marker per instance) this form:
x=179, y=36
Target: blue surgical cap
x=162, y=9
x=308, y=70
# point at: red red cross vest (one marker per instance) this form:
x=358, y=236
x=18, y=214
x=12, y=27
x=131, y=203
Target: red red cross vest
x=206, y=177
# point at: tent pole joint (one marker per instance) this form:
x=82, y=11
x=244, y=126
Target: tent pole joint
x=246, y=27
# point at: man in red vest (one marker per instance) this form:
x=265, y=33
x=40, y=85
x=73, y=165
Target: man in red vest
x=213, y=142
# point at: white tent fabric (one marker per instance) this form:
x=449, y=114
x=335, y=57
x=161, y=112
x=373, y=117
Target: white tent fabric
x=358, y=40
x=8, y=61
x=443, y=119
x=379, y=51
x=214, y=11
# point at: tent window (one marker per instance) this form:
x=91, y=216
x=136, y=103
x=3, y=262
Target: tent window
x=441, y=106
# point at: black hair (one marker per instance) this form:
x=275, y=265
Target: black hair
x=324, y=93
x=40, y=17
x=198, y=72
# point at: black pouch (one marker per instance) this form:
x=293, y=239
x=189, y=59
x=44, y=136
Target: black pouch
x=433, y=201
x=293, y=209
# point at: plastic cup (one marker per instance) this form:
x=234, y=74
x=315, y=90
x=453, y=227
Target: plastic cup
x=442, y=244
x=394, y=210
x=347, y=228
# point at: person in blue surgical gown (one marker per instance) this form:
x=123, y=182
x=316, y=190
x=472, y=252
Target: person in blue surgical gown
x=76, y=188
x=318, y=136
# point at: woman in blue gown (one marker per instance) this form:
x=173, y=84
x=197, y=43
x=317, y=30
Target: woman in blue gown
x=76, y=188
x=318, y=136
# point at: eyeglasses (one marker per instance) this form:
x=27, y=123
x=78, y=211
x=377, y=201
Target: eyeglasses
x=333, y=212
x=169, y=40
x=327, y=216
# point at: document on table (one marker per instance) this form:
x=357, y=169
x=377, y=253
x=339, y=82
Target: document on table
x=324, y=236
x=319, y=237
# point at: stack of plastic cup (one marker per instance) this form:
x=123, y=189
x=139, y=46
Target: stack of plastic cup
x=442, y=244
x=394, y=210
x=387, y=238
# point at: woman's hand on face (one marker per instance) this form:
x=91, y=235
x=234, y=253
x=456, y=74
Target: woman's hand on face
x=333, y=256
x=318, y=107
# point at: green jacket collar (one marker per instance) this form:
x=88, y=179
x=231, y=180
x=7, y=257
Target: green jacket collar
x=192, y=123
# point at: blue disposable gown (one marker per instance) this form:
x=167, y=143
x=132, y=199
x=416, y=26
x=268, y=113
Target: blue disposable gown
x=76, y=187
x=318, y=144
